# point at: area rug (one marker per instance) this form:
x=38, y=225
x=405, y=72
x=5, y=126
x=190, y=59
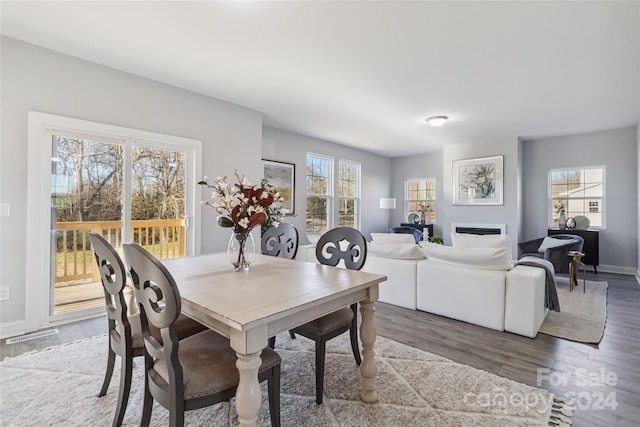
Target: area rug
x=58, y=387
x=582, y=316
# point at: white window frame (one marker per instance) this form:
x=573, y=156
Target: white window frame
x=407, y=200
x=41, y=128
x=551, y=214
x=356, y=198
x=328, y=196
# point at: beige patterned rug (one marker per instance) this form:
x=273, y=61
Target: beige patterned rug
x=58, y=387
x=582, y=315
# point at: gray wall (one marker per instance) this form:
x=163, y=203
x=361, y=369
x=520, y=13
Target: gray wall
x=439, y=165
x=420, y=166
x=638, y=202
x=375, y=172
x=37, y=79
x=617, y=150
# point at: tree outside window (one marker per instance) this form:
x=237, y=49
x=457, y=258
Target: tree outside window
x=319, y=193
x=348, y=194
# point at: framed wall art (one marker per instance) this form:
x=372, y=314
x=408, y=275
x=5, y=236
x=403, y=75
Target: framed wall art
x=478, y=181
x=282, y=176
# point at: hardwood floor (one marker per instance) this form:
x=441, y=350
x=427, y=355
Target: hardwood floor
x=591, y=367
x=519, y=358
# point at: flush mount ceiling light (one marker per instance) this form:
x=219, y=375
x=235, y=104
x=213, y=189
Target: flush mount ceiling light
x=436, y=121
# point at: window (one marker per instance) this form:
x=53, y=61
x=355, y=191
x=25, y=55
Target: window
x=348, y=194
x=319, y=193
x=577, y=192
x=421, y=198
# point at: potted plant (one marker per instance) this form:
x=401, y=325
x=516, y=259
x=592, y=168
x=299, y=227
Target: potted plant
x=437, y=239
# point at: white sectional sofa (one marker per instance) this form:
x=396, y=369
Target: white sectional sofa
x=473, y=281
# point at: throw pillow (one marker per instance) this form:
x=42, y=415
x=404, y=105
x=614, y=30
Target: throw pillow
x=465, y=241
x=392, y=238
x=550, y=242
x=397, y=250
x=480, y=258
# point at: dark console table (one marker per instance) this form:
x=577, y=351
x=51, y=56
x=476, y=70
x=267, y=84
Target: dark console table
x=420, y=227
x=591, y=246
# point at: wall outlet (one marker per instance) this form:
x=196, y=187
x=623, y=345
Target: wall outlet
x=4, y=293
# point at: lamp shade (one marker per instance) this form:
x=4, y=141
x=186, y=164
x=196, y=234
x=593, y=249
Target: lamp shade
x=387, y=203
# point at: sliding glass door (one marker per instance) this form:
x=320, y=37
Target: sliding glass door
x=128, y=185
x=125, y=192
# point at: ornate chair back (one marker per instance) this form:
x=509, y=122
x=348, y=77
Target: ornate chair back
x=342, y=243
x=113, y=277
x=160, y=306
x=280, y=241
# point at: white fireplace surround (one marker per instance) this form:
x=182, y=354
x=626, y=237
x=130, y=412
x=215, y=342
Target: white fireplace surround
x=474, y=228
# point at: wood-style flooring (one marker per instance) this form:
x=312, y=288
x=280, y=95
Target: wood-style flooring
x=603, y=375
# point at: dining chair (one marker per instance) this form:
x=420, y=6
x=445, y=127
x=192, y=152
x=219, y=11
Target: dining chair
x=124, y=331
x=348, y=245
x=280, y=241
x=192, y=373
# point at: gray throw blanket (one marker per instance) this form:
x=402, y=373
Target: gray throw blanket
x=550, y=291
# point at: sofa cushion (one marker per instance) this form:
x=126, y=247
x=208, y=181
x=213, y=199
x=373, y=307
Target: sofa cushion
x=480, y=258
x=389, y=238
x=465, y=240
x=397, y=250
x=550, y=242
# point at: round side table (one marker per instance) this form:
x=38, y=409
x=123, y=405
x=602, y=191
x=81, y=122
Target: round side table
x=576, y=258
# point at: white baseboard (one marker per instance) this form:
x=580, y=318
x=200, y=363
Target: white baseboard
x=12, y=329
x=615, y=269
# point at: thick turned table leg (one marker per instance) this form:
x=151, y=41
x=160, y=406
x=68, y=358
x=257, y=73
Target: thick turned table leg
x=248, y=395
x=368, y=368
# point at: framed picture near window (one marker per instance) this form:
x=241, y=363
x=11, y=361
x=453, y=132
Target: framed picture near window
x=282, y=176
x=478, y=181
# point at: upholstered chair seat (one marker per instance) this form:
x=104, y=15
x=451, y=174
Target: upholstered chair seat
x=210, y=349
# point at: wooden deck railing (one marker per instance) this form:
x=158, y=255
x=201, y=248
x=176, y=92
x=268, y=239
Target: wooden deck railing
x=74, y=257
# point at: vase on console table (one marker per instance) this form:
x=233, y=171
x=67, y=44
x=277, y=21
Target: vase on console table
x=562, y=221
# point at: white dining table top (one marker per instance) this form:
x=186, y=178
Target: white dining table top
x=273, y=287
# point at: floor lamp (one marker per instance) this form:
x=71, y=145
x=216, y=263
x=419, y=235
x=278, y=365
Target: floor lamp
x=387, y=204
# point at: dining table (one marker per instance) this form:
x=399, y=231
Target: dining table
x=275, y=295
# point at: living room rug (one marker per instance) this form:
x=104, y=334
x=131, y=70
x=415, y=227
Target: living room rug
x=58, y=386
x=582, y=316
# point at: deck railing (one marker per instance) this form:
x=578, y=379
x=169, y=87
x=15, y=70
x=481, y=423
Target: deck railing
x=74, y=257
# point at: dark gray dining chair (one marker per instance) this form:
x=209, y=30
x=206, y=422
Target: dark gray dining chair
x=280, y=241
x=349, y=246
x=124, y=331
x=192, y=373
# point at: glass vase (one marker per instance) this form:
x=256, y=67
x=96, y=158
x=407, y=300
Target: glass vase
x=241, y=250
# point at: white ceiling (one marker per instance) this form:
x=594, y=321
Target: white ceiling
x=366, y=74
